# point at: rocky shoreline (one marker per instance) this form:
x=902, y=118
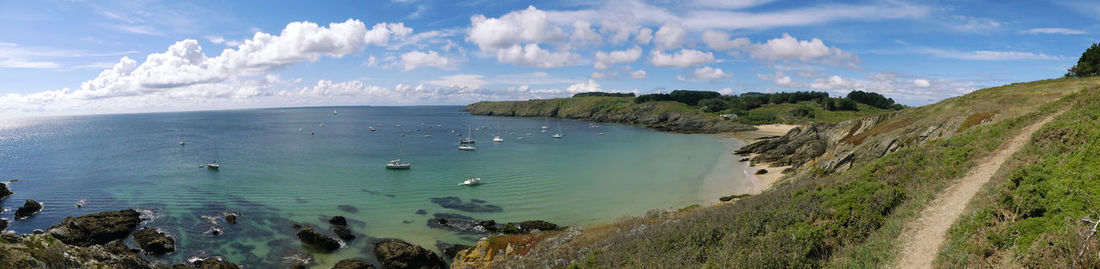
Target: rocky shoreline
x=647, y=114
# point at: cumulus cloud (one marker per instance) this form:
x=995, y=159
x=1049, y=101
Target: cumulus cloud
x=706, y=73
x=644, y=36
x=682, y=58
x=533, y=55
x=779, y=78
x=413, y=59
x=583, y=34
x=922, y=83
x=721, y=41
x=669, y=36
x=589, y=86
x=730, y=4
x=605, y=60
x=640, y=74
x=814, y=51
x=525, y=26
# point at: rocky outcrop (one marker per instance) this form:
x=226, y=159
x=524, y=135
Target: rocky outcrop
x=340, y=228
x=353, y=264
x=650, y=114
x=479, y=256
x=4, y=191
x=231, y=218
x=465, y=224
x=394, y=253
x=29, y=208
x=450, y=250
x=317, y=240
x=208, y=263
x=96, y=229
x=527, y=227
x=474, y=205
x=154, y=242
x=3, y=225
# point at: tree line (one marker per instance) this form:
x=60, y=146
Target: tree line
x=713, y=101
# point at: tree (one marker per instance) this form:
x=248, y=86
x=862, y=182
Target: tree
x=713, y=104
x=692, y=98
x=846, y=104
x=871, y=98
x=1088, y=65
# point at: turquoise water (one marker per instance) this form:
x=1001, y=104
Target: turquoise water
x=274, y=175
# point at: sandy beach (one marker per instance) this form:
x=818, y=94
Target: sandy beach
x=762, y=182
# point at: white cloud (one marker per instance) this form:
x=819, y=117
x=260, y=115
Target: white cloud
x=413, y=59
x=533, y=55
x=597, y=75
x=922, y=83
x=1060, y=31
x=640, y=74
x=669, y=36
x=583, y=34
x=460, y=81
x=721, y=41
x=605, y=60
x=809, y=15
x=589, y=86
x=836, y=83
x=814, y=50
x=644, y=36
x=779, y=78
x=987, y=55
x=730, y=4
x=973, y=24
x=682, y=58
x=709, y=73
x=381, y=33
x=524, y=26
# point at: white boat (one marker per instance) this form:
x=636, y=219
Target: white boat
x=214, y=163
x=182, y=143
x=468, y=139
x=558, y=134
x=600, y=133
x=467, y=147
x=545, y=125
x=333, y=112
x=498, y=139
x=398, y=164
x=322, y=124
x=372, y=128
x=471, y=181
x=427, y=136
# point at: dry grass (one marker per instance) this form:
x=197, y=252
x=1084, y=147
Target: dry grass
x=975, y=119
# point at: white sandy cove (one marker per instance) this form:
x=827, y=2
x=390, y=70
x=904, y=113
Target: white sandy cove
x=761, y=182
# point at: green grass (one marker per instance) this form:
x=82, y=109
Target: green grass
x=774, y=113
x=1029, y=215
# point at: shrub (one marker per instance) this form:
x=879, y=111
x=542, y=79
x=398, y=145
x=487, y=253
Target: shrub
x=872, y=99
x=713, y=105
x=846, y=104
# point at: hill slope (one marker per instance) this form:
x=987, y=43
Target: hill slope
x=855, y=185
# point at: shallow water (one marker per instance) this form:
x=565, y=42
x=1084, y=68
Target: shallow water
x=274, y=175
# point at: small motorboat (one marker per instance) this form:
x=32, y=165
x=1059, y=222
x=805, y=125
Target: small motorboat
x=398, y=164
x=372, y=128
x=467, y=147
x=471, y=181
x=557, y=135
x=427, y=136
x=498, y=139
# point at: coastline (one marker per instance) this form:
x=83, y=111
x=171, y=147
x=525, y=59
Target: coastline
x=761, y=181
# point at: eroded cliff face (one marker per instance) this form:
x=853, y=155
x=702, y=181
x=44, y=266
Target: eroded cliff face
x=837, y=147
x=652, y=115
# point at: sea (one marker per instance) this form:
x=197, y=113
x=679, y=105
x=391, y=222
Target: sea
x=286, y=166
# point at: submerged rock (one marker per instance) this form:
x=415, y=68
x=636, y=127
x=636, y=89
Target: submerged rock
x=450, y=250
x=394, y=253
x=231, y=218
x=338, y=220
x=154, y=242
x=28, y=209
x=528, y=227
x=457, y=204
x=209, y=263
x=96, y=229
x=348, y=208
x=343, y=232
x=421, y=212
x=353, y=264
x=317, y=240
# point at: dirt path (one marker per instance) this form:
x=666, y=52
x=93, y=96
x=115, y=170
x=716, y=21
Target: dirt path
x=931, y=228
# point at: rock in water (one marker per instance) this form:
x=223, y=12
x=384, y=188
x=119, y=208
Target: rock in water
x=210, y=263
x=3, y=224
x=761, y=171
x=528, y=226
x=231, y=218
x=450, y=250
x=338, y=220
x=4, y=191
x=317, y=240
x=154, y=242
x=343, y=232
x=353, y=264
x=394, y=253
x=28, y=209
x=96, y=229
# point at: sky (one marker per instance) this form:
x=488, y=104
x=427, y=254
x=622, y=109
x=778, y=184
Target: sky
x=94, y=57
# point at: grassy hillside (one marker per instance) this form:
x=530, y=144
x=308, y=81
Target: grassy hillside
x=775, y=113
x=1040, y=208
x=847, y=219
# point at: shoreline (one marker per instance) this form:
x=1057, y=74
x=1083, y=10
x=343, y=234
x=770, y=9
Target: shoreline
x=774, y=174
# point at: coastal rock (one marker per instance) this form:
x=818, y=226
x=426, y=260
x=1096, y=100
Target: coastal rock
x=231, y=218
x=761, y=171
x=3, y=224
x=353, y=264
x=477, y=206
x=458, y=223
x=650, y=114
x=208, y=263
x=731, y=197
x=528, y=227
x=154, y=242
x=44, y=251
x=338, y=220
x=96, y=229
x=479, y=256
x=394, y=253
x=450, y=250
x=29, y=208
x=4, y=191
x=317, y=240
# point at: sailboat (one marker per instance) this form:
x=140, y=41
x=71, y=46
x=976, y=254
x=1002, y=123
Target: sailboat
x=181, y=138
x=545, y=125
x=497, y=137
x=397, y=163
x=334, y=112
x=558, y=134
x=214, y=163
x=471, y=181
x=469, y=139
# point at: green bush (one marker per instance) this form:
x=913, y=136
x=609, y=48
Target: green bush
x=713, y=105
x=1088, y=65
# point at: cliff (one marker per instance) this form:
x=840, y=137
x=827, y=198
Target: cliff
x=663, y=116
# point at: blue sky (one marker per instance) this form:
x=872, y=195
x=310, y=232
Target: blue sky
x=86, y=57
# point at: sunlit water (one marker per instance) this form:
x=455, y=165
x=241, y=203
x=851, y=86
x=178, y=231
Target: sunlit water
x=274, y=175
